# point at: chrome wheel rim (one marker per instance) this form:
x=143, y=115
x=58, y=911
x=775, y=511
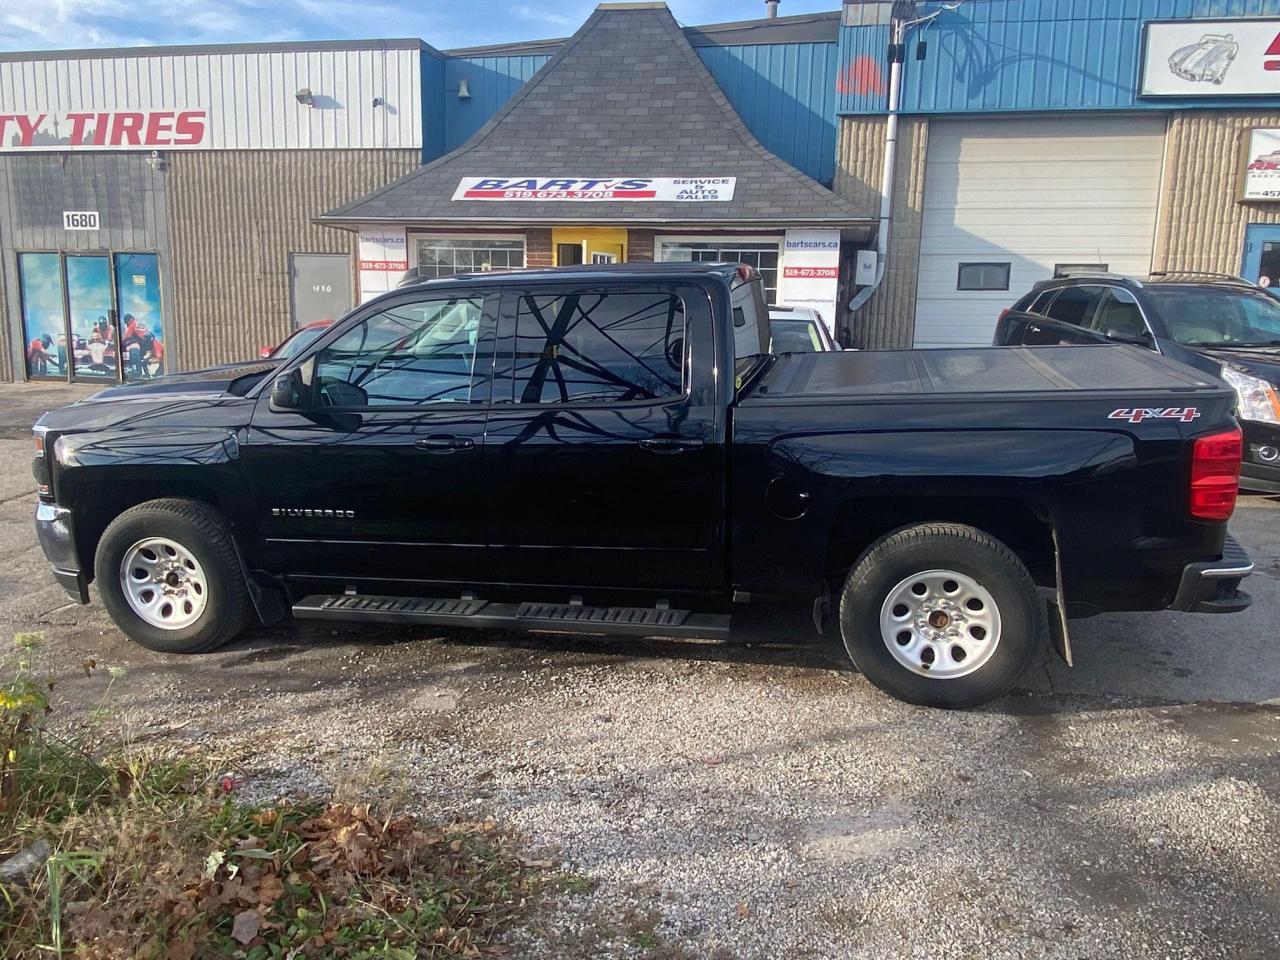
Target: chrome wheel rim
x=940, y=624
x=163, y=583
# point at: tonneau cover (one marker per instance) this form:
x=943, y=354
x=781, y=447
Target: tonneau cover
x=1108, y=368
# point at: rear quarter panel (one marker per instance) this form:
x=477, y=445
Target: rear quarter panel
x=1115, y=492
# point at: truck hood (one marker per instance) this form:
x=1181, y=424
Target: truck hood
x=199, y=389
x=1262, y=362
x=233, y=378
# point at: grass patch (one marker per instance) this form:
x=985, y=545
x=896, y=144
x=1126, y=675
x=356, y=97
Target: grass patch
x=153, y=857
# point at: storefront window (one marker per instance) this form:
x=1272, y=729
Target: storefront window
x=445, y=256
x=763, y=255
x=141, y=335
x=43, y=320
x=93, y=335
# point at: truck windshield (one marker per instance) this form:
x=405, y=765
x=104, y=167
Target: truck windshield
x=1210, y=317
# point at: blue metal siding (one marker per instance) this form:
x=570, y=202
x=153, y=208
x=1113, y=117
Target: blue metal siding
x=492, y=82
x=1007, y=55
x=433, y=141
x=785, y=93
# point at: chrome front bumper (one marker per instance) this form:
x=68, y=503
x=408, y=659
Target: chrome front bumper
x=57, y=540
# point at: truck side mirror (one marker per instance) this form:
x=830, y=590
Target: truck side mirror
x=287, y=393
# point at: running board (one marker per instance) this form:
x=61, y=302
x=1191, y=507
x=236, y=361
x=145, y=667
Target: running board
x=558, y=617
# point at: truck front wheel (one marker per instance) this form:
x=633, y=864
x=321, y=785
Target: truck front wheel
x=942, y=615
x=169, y=576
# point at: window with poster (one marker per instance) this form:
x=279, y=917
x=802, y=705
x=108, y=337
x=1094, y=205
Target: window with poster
x=759, y=252
x=91, y=316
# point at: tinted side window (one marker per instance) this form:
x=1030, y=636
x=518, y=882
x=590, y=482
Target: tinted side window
x=412, y=353
x=1118, y=314
x=1040, y=301
x=591, y=346
x=1074, y=304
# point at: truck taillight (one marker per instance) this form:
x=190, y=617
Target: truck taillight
x=1215, y=475
x=40, y=465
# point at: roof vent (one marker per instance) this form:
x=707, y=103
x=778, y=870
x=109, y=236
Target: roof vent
x=771, y=9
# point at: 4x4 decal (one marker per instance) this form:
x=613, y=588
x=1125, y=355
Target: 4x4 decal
x=1139, y=414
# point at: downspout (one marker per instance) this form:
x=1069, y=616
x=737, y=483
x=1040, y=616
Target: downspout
x=897, y=50
x=897, y=54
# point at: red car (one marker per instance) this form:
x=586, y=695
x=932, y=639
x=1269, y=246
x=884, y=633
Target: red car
x=295, y=342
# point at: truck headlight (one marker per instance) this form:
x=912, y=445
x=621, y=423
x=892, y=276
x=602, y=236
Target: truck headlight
x=1258, y=400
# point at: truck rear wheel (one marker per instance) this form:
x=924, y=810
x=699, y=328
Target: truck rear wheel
x=169, y=576
x=942, y=615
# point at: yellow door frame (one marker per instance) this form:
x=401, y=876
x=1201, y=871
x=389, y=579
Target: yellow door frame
x=606, y=240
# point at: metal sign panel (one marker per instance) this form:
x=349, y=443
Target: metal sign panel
x=80, y=220
x=1211, y=58
x=1262, y=166
x=596, y=189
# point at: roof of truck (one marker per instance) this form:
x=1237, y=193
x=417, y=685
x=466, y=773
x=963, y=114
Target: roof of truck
x=1111, y=368
x=584, y=272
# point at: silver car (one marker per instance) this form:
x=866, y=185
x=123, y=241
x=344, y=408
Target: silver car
x=1206, y=61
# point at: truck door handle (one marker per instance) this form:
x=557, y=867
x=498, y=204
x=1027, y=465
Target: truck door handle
x=669, y=444
x=444, y=443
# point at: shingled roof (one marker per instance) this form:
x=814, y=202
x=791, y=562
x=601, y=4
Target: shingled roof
x=626, y=96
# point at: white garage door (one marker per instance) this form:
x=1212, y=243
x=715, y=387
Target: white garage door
x=1020, y=197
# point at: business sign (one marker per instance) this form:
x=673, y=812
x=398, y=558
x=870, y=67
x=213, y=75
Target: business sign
x=1262, y=165
x=104, y=130
x=384, y=256
x=597, y=189
x=1211, y=58
x=811, y=272
x=80, y=220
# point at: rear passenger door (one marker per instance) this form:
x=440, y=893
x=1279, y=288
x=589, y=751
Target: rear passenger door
x=1067, y=317
x=604, y=460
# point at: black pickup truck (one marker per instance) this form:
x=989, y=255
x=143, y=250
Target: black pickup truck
x=613, y=449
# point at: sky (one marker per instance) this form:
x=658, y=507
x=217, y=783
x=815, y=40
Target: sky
x=50, y=24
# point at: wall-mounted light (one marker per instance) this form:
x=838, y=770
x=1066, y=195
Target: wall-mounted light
x=378, y=102
x=464, y=91
x=305, y=97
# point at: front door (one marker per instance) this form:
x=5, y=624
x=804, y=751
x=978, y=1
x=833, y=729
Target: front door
x=379, y=481
x=589, y=245
x=604, y=461
x=320, y=287
x=1262, y=254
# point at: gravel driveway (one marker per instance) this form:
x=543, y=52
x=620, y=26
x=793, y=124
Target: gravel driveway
x=759, y=799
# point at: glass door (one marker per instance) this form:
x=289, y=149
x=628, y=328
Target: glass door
x=44, y=319
x=140, y=329
x=1262, y=254
x=91, y=311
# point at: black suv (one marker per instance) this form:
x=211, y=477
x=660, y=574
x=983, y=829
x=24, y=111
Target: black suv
x=1223, y=325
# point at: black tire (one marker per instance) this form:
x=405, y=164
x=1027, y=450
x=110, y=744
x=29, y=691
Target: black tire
x=202, y=531
x=913, y=550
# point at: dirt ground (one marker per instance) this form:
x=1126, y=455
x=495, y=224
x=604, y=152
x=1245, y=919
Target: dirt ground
x=756, y=799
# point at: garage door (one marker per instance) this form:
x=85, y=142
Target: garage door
x=1010, y=200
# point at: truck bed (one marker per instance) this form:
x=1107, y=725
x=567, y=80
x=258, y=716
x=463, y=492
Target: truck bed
x=1002, y=371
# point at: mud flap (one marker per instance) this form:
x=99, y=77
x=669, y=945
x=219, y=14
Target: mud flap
x=1057, y=602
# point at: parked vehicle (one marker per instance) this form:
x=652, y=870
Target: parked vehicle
x=1225, y=326
x=614, y=450
x=799, y=330
x=297, y=341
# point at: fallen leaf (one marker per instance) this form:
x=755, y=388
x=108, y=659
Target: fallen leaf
x=245, y=926
x=742, y=910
